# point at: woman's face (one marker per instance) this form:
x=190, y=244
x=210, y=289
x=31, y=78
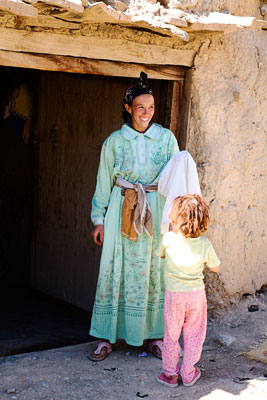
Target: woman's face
x=142, y=110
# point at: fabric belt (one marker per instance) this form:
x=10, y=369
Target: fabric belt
x=136, y=215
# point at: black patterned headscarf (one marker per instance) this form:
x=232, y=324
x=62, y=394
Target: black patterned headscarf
x=141, y=87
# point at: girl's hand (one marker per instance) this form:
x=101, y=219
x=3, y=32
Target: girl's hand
x=216, y=269
x=98, y=234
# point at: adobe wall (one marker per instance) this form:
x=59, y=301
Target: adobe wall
x=227, y=137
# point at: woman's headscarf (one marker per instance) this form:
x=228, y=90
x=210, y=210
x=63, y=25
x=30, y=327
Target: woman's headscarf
x=141, y=87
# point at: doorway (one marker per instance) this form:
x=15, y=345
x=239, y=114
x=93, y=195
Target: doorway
x=49, y=264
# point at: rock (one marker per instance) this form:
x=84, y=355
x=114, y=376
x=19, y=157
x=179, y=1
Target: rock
x=225, y=340
x=118, y=5
x=209, y=348
x=236, y=325
x=263, y=9
x=233, y=300
x=253, y=307
x=10, y=391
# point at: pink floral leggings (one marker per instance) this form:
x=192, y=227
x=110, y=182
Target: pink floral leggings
x=185, y=311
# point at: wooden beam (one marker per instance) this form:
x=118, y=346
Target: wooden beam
x=174, y=114
x=185, y=107
x=168, y=104
x=48, y=22
x=85, y=66
x=44, y=5
x=93, y=48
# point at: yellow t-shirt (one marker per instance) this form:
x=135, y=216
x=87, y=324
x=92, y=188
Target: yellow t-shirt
x=185, y=259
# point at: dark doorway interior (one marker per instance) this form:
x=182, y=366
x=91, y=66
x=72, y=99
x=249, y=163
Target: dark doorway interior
x=30, y=320
x=75, y=114
x=48, y=263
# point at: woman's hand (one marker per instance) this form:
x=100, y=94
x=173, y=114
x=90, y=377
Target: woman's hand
x=98, y=234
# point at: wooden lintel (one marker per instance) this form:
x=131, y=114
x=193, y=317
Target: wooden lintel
x=86, y=66
x=93, y=47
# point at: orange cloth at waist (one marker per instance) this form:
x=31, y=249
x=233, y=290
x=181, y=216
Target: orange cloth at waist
x=135, y=213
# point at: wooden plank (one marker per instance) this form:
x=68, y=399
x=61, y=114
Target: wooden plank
x=185, y=111
x=48, y=22
x=100, y=13
x=174, y=115
x=168, y=104
x=159, y=26
x=46, y=5
x=86, y=66
x=92, y=47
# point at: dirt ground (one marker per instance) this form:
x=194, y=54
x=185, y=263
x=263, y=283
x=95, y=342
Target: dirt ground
x=67, y=373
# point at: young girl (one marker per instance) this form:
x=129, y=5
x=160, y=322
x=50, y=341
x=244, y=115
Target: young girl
x=185, y=306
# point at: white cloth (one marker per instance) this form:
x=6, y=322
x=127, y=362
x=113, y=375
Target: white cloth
x=179, y=177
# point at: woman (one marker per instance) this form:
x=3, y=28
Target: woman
x=127, y=207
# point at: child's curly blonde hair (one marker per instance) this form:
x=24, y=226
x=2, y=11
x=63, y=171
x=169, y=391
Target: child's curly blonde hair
x=189, y=214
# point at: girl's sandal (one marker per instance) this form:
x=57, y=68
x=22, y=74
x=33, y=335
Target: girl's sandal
x=100, y=352
x=155, y=347
x=196, y=378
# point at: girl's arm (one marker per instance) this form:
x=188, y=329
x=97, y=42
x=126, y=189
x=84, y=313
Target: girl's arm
x=160, y=252
x=213, y=261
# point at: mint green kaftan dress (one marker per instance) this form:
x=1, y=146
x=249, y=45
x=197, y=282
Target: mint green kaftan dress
x=130, y=290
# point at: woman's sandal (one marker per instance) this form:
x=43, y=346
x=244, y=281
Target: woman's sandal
x=100, y=352
x=155, y=347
